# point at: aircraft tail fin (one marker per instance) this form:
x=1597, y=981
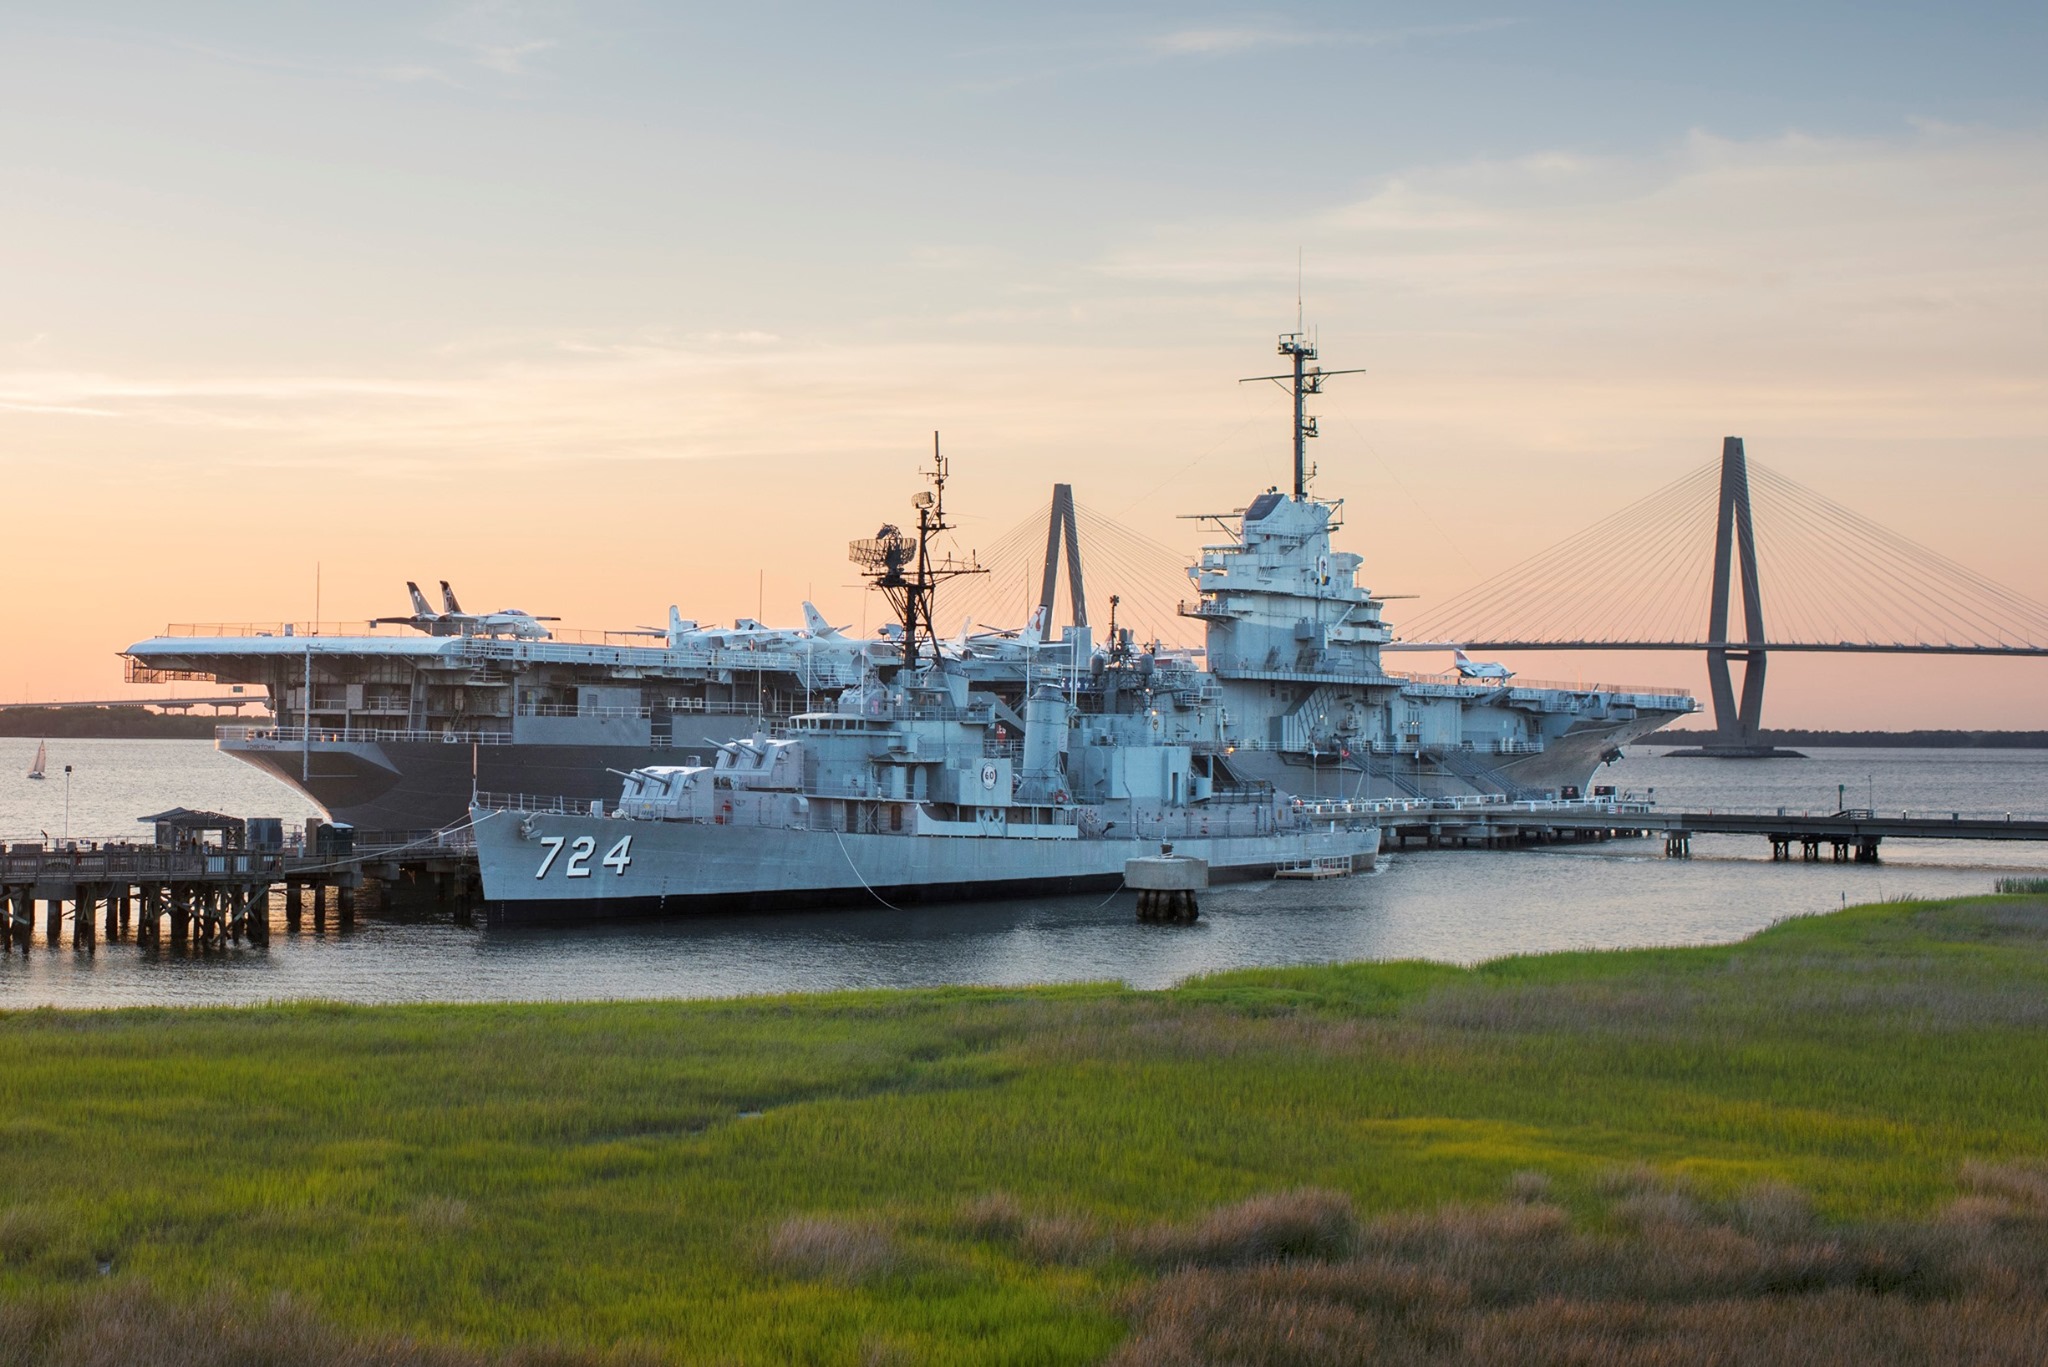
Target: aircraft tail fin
x=1034, y=630
x=815, y=623
x=448, y=599
x=419, y=600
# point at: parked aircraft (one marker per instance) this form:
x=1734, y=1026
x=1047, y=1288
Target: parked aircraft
x=1481, y=669
x=453, y=621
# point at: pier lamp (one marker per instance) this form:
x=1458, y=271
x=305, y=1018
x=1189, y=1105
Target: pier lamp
x=67, y=804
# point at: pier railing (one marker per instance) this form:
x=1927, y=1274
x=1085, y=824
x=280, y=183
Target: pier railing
x=86, y=864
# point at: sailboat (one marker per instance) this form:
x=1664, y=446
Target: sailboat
x=42, y=757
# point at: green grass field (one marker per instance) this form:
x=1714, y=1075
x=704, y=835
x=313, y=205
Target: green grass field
x=970, y=1175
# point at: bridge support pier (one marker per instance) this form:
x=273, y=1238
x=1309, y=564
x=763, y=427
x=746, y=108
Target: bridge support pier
x=1737, y=726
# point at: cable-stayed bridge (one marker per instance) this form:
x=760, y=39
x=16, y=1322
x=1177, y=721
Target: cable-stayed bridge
x=1739, y=562
x=1733, y=560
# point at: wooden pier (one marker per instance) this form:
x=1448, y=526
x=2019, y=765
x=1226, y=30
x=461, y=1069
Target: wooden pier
x=210, y=898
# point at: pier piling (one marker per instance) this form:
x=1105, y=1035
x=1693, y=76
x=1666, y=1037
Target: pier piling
x=1166, y=887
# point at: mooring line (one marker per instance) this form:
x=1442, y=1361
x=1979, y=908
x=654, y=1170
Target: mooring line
x=848, y=857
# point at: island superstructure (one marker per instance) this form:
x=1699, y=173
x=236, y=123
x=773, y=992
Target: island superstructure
x=397, y=731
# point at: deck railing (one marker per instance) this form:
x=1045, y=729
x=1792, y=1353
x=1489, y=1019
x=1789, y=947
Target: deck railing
x=355, y=735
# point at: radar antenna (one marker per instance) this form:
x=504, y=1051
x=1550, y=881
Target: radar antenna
x=1304, y=380
x=906, y=570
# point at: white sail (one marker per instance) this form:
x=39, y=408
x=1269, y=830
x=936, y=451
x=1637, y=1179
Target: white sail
x=42, y=757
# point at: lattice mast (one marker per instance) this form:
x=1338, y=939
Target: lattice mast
x=905, y=570
x=1304, y=380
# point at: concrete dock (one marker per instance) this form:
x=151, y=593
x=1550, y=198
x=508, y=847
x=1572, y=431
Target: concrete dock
x=1852, y=834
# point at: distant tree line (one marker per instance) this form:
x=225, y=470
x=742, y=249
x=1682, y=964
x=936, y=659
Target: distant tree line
x=110, y=723
x=1919, y=740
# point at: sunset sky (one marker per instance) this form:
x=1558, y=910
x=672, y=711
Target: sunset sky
x=595, y=307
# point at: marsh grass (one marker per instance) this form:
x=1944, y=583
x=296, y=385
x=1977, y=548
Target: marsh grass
x=1844, y=1110
x=824, y=1248
x=1693, y=1282
x=126, y=1326
x=1305, y=1223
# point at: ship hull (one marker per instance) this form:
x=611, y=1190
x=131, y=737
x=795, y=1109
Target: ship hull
x=1571, y=760
x=682, y=868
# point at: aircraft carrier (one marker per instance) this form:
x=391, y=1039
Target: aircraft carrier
x=395, y=724
x=390, y=725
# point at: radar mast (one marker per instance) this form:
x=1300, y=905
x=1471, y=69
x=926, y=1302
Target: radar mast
x=885, y=557
x=1303, y=380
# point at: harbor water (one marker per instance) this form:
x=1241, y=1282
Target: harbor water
x=1451, y=905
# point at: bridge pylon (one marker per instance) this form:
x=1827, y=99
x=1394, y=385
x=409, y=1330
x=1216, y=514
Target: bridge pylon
x=1737, y=725
x=1063, y=525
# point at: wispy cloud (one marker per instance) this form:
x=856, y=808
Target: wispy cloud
x=502, y=36
x=1805, y=231
x=1228, y=39
x=1111, y=52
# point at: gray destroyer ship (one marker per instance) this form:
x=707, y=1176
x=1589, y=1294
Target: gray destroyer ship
x=1281, y=743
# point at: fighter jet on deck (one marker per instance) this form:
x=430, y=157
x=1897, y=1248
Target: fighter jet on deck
x=453, y=621
x=1481, y=669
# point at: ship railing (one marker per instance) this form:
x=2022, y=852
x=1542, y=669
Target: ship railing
x=235, y=630
x=1255, y=794
x=1517, y=747
x=544, y=804
x=1660, y=694
x=1344, y=749
x=356, y=735
x=550, y=709
x=358, y=627
x=712, y=707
